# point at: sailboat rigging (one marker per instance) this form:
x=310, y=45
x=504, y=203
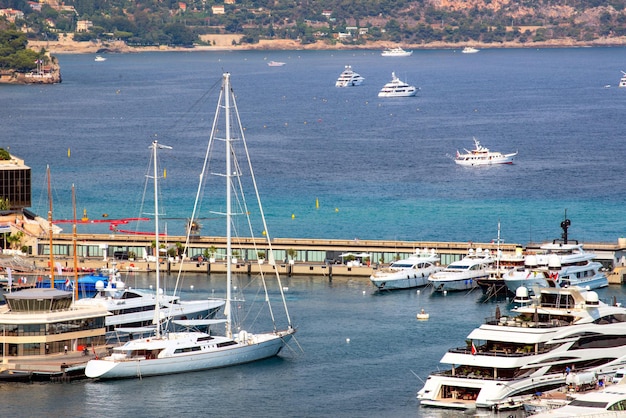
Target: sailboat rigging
x=178, y=352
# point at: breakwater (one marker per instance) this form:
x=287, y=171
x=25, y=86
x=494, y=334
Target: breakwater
x=292, y=256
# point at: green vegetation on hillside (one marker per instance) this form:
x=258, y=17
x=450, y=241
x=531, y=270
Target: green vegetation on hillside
x=179, y=23
x=13, y=52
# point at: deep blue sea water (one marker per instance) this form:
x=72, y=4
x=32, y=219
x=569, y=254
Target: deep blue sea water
x=380, y=168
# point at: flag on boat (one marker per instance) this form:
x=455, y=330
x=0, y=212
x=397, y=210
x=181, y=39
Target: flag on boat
x=474, y=351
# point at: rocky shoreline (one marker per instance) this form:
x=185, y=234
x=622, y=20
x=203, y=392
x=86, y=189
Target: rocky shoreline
x=48, y=74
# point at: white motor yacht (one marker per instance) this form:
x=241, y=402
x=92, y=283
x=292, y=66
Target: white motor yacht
x=409, y=272
x=530, y=350
x=397, y=88
x=622, y=81
x=349, y=78
x=463, y=274
x=469, y=50
x=396, y=52
x=133, y=309
x=482, y=156
x=561, y=263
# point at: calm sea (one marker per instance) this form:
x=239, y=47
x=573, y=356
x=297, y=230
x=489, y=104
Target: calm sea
x=381, y=169
x=359, y=353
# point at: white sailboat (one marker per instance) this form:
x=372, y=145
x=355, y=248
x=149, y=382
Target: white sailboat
x=178, y=352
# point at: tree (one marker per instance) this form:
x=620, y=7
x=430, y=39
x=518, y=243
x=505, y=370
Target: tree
x=180, y=34
x=15, y=240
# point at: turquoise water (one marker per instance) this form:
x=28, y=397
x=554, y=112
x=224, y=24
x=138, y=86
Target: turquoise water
x=380, y=168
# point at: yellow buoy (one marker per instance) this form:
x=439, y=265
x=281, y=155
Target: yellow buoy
x=317, y=203
x=68, y=153
x=293, y=216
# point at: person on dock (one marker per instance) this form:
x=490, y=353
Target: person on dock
x=65, y=349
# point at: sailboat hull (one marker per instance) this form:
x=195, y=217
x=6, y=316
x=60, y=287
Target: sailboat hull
x=257, y=347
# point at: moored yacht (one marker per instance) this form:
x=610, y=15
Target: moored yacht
x=622, y=81
x=409, y=272
x=397, y=88
x=494, y=283
x=396, y=52
x=463, y=274
x=133, y=309
x=609, y=402
x=560, y=263
x=349, y=78
x=531, y=350
x=482, y=156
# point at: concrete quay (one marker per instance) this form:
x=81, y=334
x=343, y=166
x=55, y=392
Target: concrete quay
x=294, y=256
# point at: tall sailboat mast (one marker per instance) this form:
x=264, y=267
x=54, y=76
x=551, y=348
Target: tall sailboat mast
x=229, y=249
x=50, y=229
x=157, y=311
x=74, y=245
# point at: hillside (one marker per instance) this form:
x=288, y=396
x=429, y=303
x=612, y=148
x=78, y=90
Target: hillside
x=93, y=25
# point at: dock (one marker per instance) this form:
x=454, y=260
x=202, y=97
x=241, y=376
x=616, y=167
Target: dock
x=56, y=367
x=293, y=256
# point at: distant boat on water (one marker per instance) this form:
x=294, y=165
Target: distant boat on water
x=469, y=50
x=348, y=78
x=99, y=58
x=275, y=64
x=622, y=81
x=396, y=52
x=482, y=156
x=397, y=88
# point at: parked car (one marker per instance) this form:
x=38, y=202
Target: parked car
x=120, y=255
x=619, y=375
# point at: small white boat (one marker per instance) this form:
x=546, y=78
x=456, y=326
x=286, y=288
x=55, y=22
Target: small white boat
x=469, y=50
x=622, y=81
x=99, y=58
x=408, y=273
x=397, y=88
x=422, y=316
x=396, y=52
x=463, y=274
x=482, y=156
x=275, y=64
x=348, y=78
